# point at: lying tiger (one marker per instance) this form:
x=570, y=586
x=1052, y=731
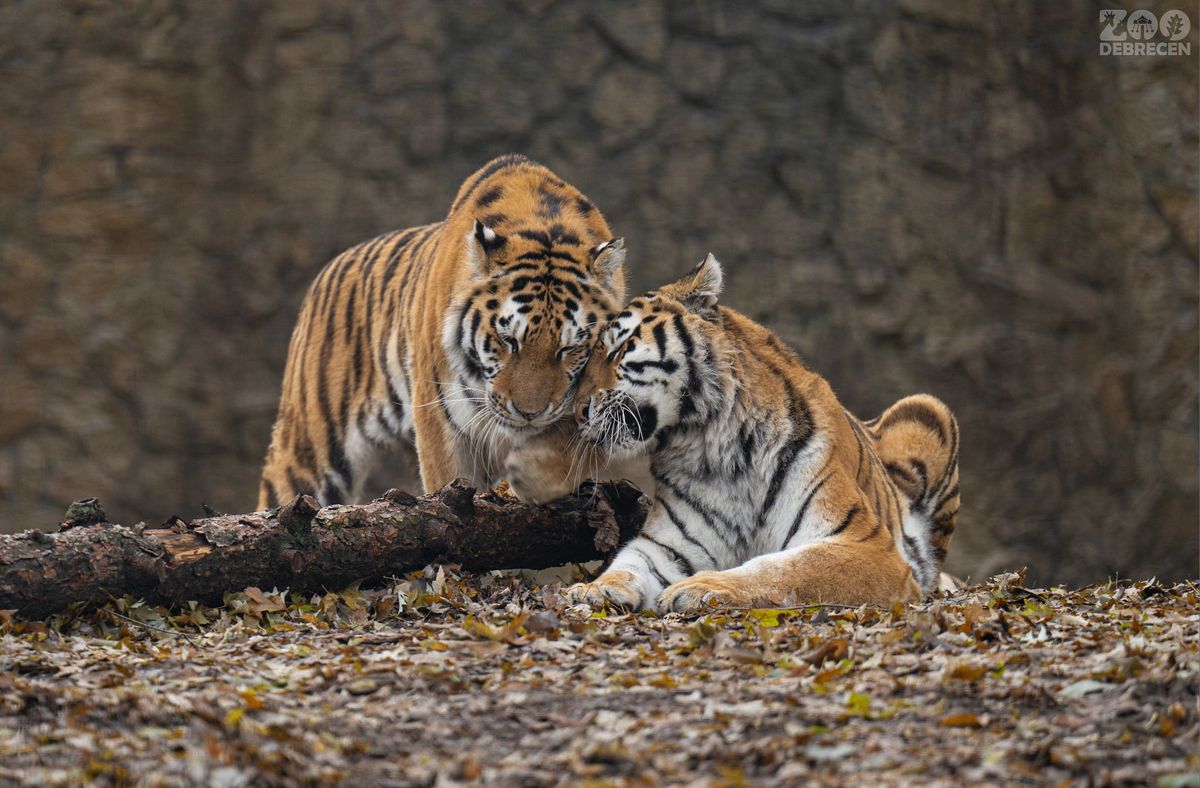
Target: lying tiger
x=464, y=339
x=769, y=493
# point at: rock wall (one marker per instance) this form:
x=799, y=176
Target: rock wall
x=962, y=198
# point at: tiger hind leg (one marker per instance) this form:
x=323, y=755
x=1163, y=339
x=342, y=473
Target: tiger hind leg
x=847, y=572
x=917, y=439
x=336, y=469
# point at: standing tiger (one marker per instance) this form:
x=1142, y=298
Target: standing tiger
x=769, y=493
x=464, y=338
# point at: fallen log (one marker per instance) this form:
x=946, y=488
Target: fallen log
x=306, y=548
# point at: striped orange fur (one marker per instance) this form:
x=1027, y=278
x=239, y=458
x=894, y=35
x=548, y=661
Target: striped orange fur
x=768, y=491
x=464, y=338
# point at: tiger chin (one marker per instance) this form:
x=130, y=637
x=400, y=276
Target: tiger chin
x=463, y=339
x=768, y=492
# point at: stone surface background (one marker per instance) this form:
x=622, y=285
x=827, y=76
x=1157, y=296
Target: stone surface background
x=963, y=198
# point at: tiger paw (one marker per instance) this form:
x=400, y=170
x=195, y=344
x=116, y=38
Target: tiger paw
x=617, y=587
x=536, y=475
x=704, y=591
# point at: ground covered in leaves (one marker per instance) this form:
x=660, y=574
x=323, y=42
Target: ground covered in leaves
x=444, y=680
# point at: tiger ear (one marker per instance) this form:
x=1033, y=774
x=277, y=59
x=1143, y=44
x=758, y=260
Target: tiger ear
x=699, y=289
x=482, y=245
x=607, y=259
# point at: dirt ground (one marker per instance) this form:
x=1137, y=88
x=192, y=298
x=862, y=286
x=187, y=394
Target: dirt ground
x=442, y=680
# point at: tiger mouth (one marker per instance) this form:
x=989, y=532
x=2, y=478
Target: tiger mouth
x=620, y=422
x=508, y=421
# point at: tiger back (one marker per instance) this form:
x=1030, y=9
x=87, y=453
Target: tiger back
x=463, y=338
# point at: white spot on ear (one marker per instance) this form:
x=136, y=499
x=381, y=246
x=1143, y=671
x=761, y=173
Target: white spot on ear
x=607, y=259
x=482, y=242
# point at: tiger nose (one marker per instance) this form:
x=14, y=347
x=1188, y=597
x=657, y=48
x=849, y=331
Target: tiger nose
x=528, y=416
x=583, y=409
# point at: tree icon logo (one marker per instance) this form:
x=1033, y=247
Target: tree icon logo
x=1142, y=25
x=1175, y=26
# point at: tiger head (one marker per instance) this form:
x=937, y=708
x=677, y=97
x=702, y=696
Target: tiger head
x=655, y=367
x=521, y=333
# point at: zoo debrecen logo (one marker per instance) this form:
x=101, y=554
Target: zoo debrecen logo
x=1143, y=33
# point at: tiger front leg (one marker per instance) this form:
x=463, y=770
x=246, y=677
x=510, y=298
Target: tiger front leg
x=435, y=436
x=663, y=554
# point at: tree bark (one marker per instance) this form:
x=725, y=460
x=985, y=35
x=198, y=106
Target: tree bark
x=304, y=548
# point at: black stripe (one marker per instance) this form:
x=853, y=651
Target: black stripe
x=401, y=253
x=651, y=566
x=476, y=319
x=550, y=204
x=804, y=508
x=944, y=524
x=641, y=366
x=895, y=469
x=461, y=324
x=489, y=196
x=503, y=162
x=660, y=338
x=536, y=236
x=678, y=523
x=709, y=516
x=913, y=551
x=334, y=454
x=952, y=463
x=397, y=254
x=694, y=391
x=358, y=358
x=367, y=261
x=425, y=236
x=950, y=495
x=799, y=415
x=748, y=439
x=561, y=235
x=845, y=523
x=679, y=559
x=442, y=404
x=351, y=307
x=923, y=477
x=784, y=466
x=915, y=412
x=272, y=496
x=334, y=451
x=320, y=287
x=685, y=337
